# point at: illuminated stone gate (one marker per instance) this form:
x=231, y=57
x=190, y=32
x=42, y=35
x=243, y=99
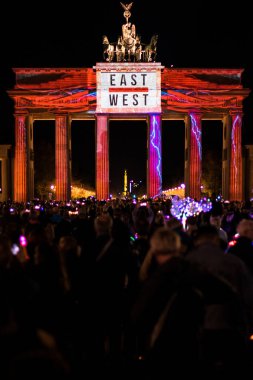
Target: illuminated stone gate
x=134, y=87
x=70, y=94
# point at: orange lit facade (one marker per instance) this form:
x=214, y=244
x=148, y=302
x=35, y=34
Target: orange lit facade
x=66, y=94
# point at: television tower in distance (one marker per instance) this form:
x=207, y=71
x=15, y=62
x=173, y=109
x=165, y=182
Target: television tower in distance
x=125, y=183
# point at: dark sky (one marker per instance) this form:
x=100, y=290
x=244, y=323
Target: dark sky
x=51, y=34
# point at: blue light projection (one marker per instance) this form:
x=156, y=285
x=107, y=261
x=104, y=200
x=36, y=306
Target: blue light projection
x=155, y=139
x=197, y=133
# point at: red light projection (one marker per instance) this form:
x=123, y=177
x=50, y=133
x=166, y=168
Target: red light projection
x=62, y=178
x=236, y=158
x=64, y=94
x=208, y=90
x=20, y=177
x=74, y=90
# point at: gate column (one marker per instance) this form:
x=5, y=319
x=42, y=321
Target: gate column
x=30, y=157
x=226, y=153
x=20, y=159
x=193, y=155
x=62, y=172
x=235, y=187
x=154, y=165
x=102, y=157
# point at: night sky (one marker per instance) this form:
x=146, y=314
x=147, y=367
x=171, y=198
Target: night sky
x=50, y=34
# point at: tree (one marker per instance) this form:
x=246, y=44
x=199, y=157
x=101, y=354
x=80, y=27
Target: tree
x=211, y=173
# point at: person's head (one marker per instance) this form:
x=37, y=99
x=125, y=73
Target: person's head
x=174, y=224
x=103, y=225
x=245, y=228
x=215, y=220
x=191, y=225
x=165, y=244
x=159, y=218
x=67, y=244
x=206, y=234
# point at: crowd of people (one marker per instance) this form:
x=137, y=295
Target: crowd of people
x=120, y=287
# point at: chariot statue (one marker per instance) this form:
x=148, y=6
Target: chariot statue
x=129, y=47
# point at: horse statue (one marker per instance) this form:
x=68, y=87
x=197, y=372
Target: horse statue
x=138, y=49
x=150, y=50
x=108, y=50
x=120, y=50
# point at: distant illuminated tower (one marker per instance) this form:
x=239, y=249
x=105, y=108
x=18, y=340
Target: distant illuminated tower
x=125, y=183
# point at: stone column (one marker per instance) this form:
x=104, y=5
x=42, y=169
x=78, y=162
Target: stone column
x=235, y=187
x=187, y=122
x=248, y=173
x=69, y=121
x=5, y=172
x=30, y=157
x=3, y=179
x=62, y=180
x=20, y=159
x=102, y=157
x=226, y=151
x=154, y=165
x=193, y=155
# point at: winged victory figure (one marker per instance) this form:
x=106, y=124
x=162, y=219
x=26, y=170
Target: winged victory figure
x=127, y=7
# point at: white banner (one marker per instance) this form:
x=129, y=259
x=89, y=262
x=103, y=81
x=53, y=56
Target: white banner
x=129, y=92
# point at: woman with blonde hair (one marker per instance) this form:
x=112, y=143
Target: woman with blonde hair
x=164, y=244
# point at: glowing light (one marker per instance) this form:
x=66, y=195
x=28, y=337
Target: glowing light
x=130, y=186
x=183, y=208
x=178, y=190
x=23, y=241
x=80, y=192
x=232, y=243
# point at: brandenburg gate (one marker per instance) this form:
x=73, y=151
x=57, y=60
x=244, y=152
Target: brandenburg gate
x=128, y=85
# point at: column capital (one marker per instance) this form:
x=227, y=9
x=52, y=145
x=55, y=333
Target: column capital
x=225, y=115
x=61, y=114
x=195, y=111
x=187, y=118
x=101, y=114
x=236, y=112
x=198, y=114
x=21, y=114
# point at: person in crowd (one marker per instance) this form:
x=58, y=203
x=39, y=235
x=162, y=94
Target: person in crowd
x=242, y=246
x=215, y=220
